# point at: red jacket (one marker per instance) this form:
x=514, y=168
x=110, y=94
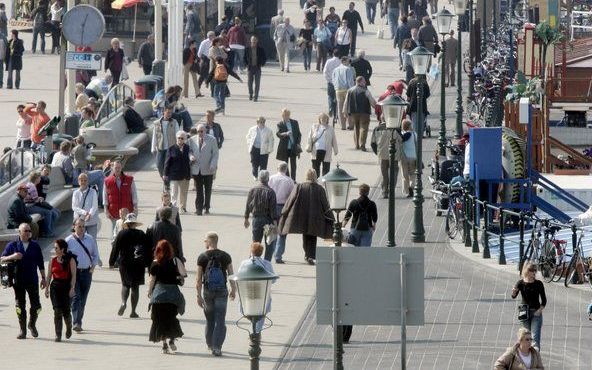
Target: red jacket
x=237, y=35
x=121, y=197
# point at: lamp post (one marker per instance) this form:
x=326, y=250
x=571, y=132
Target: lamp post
x=392, y=108
x=254, y=289
x=337, y=184
x=460, y=7
x=420, y=58
x=471, y=52
x=484, y=34
x=443, y=23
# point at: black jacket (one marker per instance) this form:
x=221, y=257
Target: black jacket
x=133, y=121
x=164, y=229
x=17, y=213
x=261, y=58
x=111, y=55
x=353, y=18
x=177, y=165
x=218, y=133
x=362, y=68
x=282, y=151
x=359, y=206
x=16, y=57
x=412, y=96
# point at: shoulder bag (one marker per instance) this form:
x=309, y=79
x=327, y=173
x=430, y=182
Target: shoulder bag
x=315, y=140
x=84, y=247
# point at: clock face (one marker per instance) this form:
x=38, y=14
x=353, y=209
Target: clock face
x=83, y=25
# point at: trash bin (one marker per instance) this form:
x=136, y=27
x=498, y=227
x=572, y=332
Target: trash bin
x=158, y=67
x=147, y=86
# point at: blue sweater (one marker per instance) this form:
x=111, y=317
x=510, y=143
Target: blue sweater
x=32, y=260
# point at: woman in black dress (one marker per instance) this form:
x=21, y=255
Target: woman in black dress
x=166, y=301
x=132, y=248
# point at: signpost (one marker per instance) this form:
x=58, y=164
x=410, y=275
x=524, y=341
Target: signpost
x=371, y=286
x=86, y=61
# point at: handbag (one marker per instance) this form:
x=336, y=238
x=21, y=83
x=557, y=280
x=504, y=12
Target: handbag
x=523, y=312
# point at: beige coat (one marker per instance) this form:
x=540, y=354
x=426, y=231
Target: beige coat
x=511, y=357
x=328, y=138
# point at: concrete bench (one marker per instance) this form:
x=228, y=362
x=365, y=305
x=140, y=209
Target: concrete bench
x=59, y=196
x=112, y=138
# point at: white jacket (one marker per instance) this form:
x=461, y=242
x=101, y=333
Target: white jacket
x=266, y=139
x=329, y=139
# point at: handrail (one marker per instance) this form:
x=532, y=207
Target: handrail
x=570, y=151
x=16, y=165
x=113, y=102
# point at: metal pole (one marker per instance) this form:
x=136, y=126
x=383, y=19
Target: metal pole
x=71, y=76
x=467, y=208
x=220, y=10
x=459, y=107
x=442, y=140
x=403, y=312
x=391, y=209
x=337, y=329
x=418, y=234
x=254, y=346
x=62, y=77
x=486, y=252
x=471, y=52
x=502, y=253
x=521, y=243
x=158, y=29
x=494, y=22
x=476, y=219
x=484, y=35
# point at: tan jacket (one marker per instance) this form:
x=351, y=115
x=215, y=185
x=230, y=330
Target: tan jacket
x=328, y=138
x=512, y=361
x=171, y=132
x=381, y=137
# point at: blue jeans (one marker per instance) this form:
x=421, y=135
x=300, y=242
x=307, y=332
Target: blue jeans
x=363, y=238
x=215, y=311
x=534, y=324
x=41, y=32
x=220, y=94
x=280, y=243
x=393, y=19
x=307, y=54
x=184, y=119
x=17, y=76
x=49, y=217
x=83, y=281
x=258, y=223
x=371, y=12
x=239, y=54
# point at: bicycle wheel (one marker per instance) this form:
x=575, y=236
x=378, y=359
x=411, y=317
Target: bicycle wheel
x=451, y=223
x=460, y=222
x=559, y=268
x=571, y=270
x=547, y=262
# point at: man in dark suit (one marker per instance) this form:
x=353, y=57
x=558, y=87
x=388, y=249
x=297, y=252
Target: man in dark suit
x=289, y=147
x=164, y=229
x=353, y=19
x=254, y=59
x=213, y=128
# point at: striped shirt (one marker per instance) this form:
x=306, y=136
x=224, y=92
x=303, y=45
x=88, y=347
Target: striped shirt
x=261, y=202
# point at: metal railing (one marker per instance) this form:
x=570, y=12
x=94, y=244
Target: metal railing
x=16, y=165
x=113, y=102
x=479, y=217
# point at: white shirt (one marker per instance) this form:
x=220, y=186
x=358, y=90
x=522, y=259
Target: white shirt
x=204, y=48
x=320, y=139
x=56, y=13
x=330, y=67
x=23, y=128
x=282, y=185
x=83, y=202
x=83, y=261
x=527, y=359
x=343, y=36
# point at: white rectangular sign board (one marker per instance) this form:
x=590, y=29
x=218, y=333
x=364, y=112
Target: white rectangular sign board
x=369, y=285
x=85, y=61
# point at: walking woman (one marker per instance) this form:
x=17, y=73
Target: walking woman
x=307, y=212
x=321, y=143
x=132, y=250
x=408, y=162
x=114, y=61
x=305, y=43
x=61, y=283
x=343, y=38
x=166, y=301
x=521, y=355
x=533, y=296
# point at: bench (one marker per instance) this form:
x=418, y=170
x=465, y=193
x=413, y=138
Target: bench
x=59, y=196
x=112, y=139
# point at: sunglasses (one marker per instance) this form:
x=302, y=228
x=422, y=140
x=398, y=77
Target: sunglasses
x=27, y=231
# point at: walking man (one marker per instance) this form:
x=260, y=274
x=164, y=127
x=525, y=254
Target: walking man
x=213, y=267
x=371, y=10
x=259, y=144
x=254, y=59
x=358, y=105
x=165, y=229
x=328, y=69
x=146, y=55
x=177, y=170
x=204, y=60
x=323, y=43
x=288, y=131
x=362, y=66
x=353, y=19
x=214, y=128
x=282, y=186
x=119, y=192
x=393, y=11
x=26, y=254
x=192, y=27
x=85, y=248
x=39, y=16
x=343, y=80
x=203, y=167
x=163, y=137
x=275, y=21
x=261, y=203
x=450, y=62
x=284, y=38
x=380, y=143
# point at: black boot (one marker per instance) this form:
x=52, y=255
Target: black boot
x=57, y=320
x=32, y=322
x=22, y=317
x=68, y=321
x=410, y=193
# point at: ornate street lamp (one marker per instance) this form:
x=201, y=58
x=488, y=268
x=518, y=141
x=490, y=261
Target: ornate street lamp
x=254, y=289
x=460, y=7
x=393, y=107
x=443, y=23
x=472, y=52
x=337, y=184
x=420, y=58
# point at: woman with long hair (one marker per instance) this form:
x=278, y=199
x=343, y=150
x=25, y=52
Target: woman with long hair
x=61, y=283
x=166, y=301
x=533, y=302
